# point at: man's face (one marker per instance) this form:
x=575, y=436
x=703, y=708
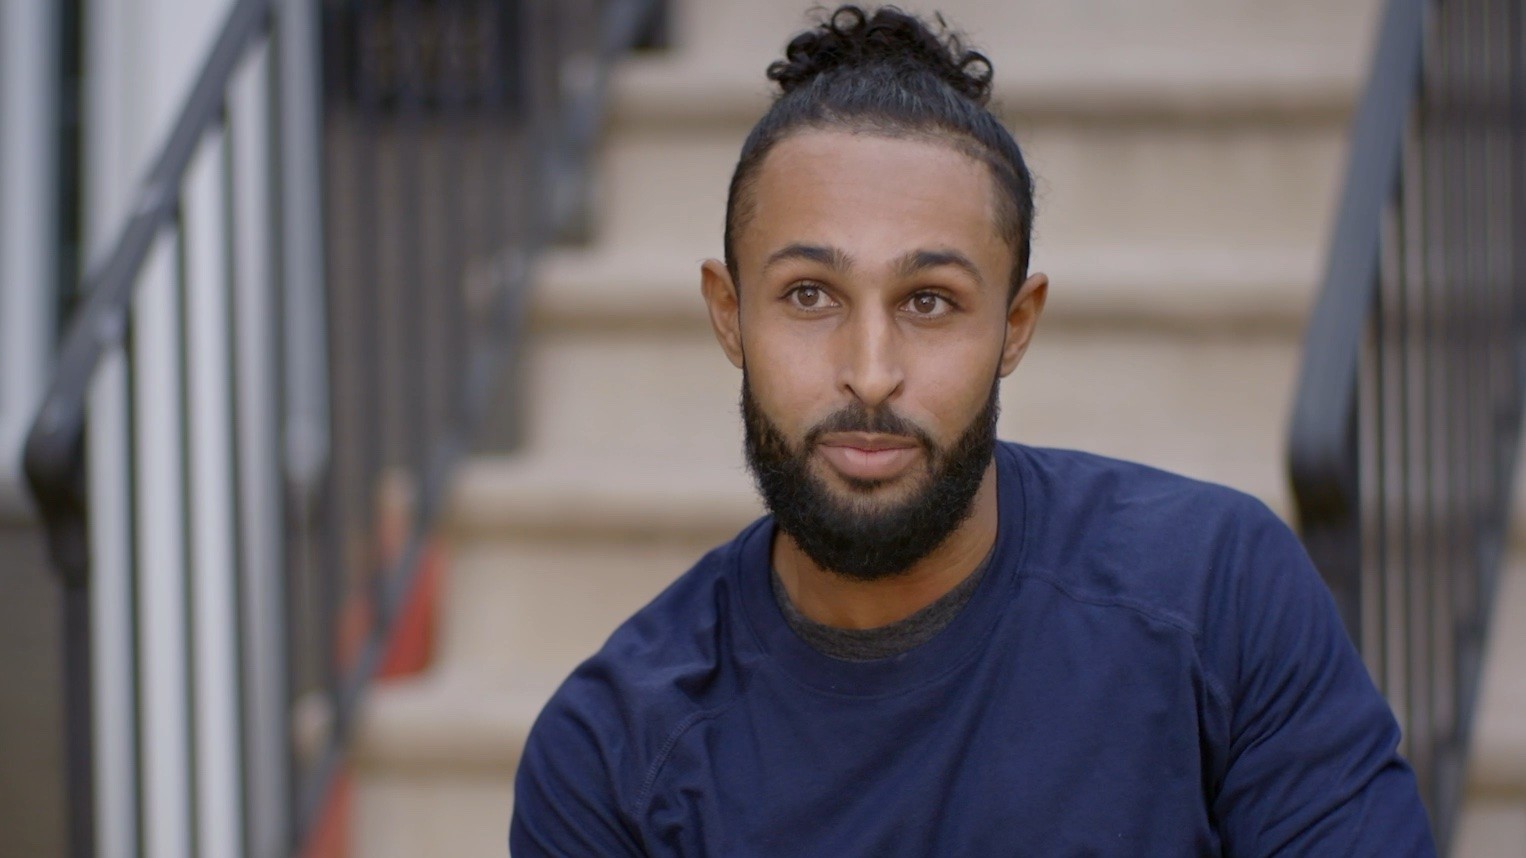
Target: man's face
x=872, y=322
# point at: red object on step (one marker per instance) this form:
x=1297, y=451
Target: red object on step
x=331, y=836
x=408, y=651
x=412, y=645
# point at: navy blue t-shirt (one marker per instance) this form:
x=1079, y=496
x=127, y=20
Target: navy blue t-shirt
x=1150, y=666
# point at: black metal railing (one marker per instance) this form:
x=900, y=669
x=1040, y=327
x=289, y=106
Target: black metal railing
x=458, y=138
x=1408, y=411
x=278, y=362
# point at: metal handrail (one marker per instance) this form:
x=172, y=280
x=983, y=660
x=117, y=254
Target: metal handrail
x=1408, y=409
x=31, y=135
x=55, y=451
x=1324, y=407
x=622, y=25
x=53, y=457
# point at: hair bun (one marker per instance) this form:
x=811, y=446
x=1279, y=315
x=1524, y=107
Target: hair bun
x=851, y=38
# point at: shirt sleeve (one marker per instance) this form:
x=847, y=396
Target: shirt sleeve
x=1312, y=764
x=565, y=803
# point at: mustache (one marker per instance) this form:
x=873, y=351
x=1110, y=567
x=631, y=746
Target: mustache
x=857, y=418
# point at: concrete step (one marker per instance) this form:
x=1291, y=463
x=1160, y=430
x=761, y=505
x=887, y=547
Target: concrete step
x=1494, y=819
x=1224, y=124
x=1259, y=184
x=551, y=555
x=434, y=765
x=1095, y=56
x=1491, y=828
x=1498, y=764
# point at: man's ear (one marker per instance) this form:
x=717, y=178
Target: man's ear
x=1022, y=319
x=721, y=299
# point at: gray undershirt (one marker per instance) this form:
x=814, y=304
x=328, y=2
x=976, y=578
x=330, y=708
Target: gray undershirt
x=900, y=636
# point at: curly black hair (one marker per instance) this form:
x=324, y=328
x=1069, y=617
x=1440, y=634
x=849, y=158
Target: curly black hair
x=891, y=73
x=850, y=38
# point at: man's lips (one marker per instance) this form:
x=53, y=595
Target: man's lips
x=868, y=455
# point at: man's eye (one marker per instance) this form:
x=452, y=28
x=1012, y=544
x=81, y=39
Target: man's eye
x=808, y=297
x=928, y=304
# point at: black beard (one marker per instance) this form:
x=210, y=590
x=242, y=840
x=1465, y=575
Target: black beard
x=857, y=538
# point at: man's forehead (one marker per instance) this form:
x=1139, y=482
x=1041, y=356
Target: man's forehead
x=838, y=189
x=862, y=153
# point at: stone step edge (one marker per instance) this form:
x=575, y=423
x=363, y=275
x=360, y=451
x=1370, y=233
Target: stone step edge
x=542, y=497
x=610, y=288
x=676, y=91
x=545, y=497
x=446, y=722
x=1497, y=762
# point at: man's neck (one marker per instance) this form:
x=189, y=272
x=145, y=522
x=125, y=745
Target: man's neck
x=834, y=600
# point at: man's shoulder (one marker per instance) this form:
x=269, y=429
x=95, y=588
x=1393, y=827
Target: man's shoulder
x=1125, y=533
x=681, y=623
x=680, y=654
x=1072, y=483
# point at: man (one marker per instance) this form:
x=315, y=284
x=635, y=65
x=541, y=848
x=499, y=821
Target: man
x=937, y=644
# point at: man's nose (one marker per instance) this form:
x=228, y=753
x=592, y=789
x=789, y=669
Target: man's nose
x=871, y=360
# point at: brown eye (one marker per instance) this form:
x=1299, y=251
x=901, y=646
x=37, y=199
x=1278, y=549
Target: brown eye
x=809, y=297
x=928, y=304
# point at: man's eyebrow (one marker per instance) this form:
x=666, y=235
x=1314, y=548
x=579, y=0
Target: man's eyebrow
x=831, y=257
x=917, y=261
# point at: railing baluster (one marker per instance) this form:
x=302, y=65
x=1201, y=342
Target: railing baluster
x=302, y=310
x=29, y=211
x=237, y=440
x=214, y=606
x=81, y=784
x=352, y=267
x=224, y=530
x=1516, y=33
x=1469, y=277
x=161, y=596
x=372, y=287
x=454, y=112
x=1366, y=513
x=1504, y=235
x=1440, y=94
x=1515, y=309
x=1416, y=489
x=261, y=534
x=112, y=624
x=410, y=385
x=1387, y=520
x=303, y=293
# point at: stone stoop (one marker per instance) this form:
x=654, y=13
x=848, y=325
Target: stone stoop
x=551, y=556
x=1494, y=816
x=1186, y=175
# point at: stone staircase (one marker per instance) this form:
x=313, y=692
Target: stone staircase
x=1494, y=814
x=1188, y=155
